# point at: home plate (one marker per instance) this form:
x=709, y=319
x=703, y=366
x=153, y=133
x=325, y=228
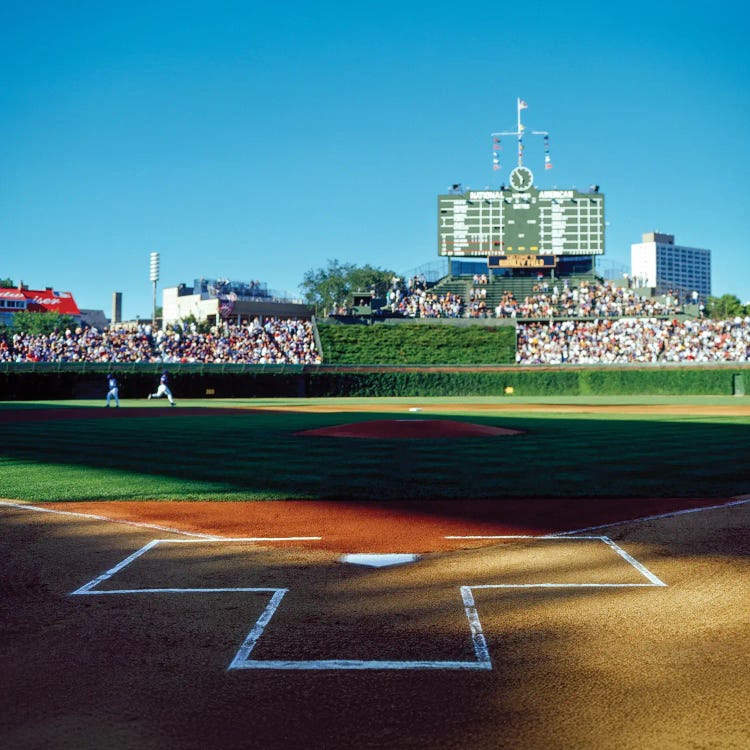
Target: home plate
x=378, y=561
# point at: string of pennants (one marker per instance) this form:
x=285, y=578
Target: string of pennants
x=497, y=145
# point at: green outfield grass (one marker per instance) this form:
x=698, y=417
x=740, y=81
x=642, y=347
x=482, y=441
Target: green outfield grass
x=257, y=456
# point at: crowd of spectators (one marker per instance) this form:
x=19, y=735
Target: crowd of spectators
x=547, y=301
x=412, y=299
x=591, y=324
x=633, y=340
x=424, y=304
x=600, y=300
x=271, y=341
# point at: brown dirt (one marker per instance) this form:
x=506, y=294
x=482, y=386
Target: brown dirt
x=417, y=526
x=129, y=411
x=740, y=409
x=574, y=667
x=403, y=429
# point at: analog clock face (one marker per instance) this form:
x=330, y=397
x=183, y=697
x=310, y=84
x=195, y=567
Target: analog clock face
x=521, y=178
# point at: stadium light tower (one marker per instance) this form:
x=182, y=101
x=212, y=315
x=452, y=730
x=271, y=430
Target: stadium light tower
x=154, y=278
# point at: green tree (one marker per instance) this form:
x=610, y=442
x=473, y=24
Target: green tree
x=7, y=283
x=37, y=323
x=202, y=326
x=331, y=287
x=725, y=307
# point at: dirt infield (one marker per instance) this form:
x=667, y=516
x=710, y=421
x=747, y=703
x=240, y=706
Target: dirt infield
x=417, y=526
x=586, y=648
x=422, y=409
x=409, y=429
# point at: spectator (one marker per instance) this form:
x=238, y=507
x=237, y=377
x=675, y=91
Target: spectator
x=273, y=341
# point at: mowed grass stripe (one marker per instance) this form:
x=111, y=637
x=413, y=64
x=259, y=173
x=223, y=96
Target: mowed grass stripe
x=258, y=455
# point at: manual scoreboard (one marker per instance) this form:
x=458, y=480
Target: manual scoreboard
x=519, y=225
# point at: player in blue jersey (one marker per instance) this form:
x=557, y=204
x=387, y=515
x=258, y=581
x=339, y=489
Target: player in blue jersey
x=163, y=389
x=113, y=390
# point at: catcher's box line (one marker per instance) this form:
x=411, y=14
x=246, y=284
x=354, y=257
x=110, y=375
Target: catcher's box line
x=654, y=580
x=243, y=660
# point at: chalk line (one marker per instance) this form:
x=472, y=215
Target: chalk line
x=195, y=535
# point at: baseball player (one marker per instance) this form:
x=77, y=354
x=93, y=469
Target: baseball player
x=163, y=389
x=113, y=391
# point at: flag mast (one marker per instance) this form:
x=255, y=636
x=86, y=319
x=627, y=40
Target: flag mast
x=519, y=133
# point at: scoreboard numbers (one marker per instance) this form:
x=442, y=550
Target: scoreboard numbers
x=510, y=222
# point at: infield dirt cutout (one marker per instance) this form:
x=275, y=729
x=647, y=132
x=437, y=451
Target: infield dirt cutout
x=405, y=429
x=585, y=651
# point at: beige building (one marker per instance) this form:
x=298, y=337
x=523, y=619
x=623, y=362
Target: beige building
x=214, y=300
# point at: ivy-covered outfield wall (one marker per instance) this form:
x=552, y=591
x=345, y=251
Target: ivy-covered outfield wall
x=67, y=381
x=413, y=343
x=516, y=381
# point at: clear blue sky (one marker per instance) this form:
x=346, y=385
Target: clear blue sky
x=259, y=140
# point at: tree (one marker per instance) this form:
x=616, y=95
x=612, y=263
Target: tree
x=37, y=323
x=330, y=288
x=7, y=283
x=725, y=307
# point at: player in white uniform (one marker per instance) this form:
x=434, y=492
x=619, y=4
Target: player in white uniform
x=163, y=389
x=113, y=391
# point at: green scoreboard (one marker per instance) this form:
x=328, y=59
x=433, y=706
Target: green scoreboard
x=519, y=225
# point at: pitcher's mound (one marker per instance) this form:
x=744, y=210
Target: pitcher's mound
x=399, y=429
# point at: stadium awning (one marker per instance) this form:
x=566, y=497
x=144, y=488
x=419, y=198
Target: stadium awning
x=49, y=300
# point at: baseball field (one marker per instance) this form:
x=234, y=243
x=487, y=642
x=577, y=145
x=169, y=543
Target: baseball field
x=394, y=573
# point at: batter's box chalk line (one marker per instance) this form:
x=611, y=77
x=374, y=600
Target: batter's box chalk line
x=243, y=658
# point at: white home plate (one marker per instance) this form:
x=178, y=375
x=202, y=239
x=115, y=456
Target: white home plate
x=378, y=561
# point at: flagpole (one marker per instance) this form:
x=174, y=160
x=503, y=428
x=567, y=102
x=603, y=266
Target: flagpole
x=520, y=132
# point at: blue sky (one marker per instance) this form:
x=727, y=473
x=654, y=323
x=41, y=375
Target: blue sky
x=255, y=140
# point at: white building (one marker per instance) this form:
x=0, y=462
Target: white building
x=658, y=263
x=232, y=301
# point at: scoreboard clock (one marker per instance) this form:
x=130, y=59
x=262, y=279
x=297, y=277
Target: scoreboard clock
x=520, y=220
x=521, y=178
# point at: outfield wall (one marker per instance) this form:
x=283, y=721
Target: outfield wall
x=37, y=381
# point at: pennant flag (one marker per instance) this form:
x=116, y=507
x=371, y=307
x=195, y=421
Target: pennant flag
x=548, y=165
